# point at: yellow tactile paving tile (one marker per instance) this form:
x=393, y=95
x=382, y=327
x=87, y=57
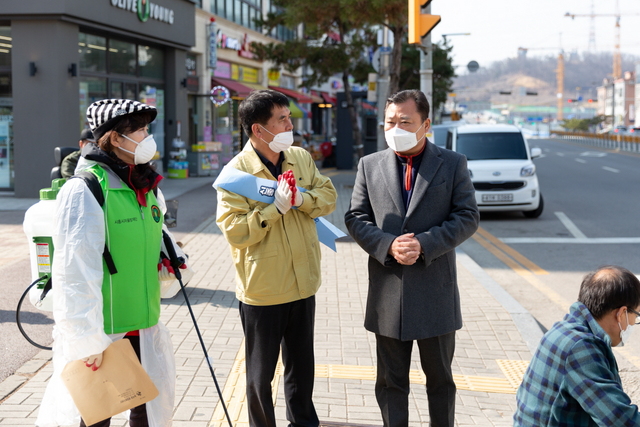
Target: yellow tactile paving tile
x=513, y=370
x=234, y=390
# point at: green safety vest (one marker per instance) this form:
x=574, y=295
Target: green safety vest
x=133, y=234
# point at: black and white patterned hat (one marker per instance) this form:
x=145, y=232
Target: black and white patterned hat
x=103, y=115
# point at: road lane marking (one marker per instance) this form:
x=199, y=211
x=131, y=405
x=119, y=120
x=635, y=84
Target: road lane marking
x=573, y=229
x=483, y=236
x=581, y=161
x=573, y=240
x=501, y=256
x=560, y=154
x=593, y=154
x=512, y=252
x=607, y=168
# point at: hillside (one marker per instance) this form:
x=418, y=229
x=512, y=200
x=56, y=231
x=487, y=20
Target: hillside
x=583, y=73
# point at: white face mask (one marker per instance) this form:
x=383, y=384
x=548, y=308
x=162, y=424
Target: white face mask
x=280, y=142
x=400, y=140
x=625, y=334
x=145, y=149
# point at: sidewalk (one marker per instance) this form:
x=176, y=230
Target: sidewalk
x=491, y=353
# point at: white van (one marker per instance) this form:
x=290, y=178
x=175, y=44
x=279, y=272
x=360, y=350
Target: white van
x=500, y=165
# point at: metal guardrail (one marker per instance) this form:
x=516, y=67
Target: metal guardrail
x=611, y=142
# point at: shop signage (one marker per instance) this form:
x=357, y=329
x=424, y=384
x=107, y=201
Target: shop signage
x=145, y=9
x=213, y=46
x=226, y=42
x=223, y=69
x=245, y=51
x=191, y=65
x=220, y=95
x=274, y=77
x=244, y=74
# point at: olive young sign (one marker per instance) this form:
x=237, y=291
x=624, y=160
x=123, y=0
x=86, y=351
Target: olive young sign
x=145, y=9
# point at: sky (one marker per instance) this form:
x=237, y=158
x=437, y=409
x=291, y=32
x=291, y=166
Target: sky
x=499, y=27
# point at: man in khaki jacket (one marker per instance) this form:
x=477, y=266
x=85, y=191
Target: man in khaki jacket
x=276, y=252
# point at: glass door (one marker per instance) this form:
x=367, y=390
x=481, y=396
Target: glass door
x=6, y=133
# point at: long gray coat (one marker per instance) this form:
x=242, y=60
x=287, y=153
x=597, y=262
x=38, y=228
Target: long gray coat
x=421, y=300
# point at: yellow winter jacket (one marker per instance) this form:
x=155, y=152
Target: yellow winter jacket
x=277, y=257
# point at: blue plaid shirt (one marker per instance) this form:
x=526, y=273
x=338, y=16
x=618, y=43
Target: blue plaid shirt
x=573, y=378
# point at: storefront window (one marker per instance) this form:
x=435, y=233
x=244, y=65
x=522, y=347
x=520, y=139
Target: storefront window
x=122, y=57
x=5, y=46
x=223, y=116
x=91, y=89
x=93, y=53
x=151, y=62
x=154, y=95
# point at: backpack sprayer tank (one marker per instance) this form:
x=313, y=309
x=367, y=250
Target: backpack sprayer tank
x=38, y=226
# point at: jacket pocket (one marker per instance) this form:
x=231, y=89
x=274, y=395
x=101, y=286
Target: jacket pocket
x=264, y=275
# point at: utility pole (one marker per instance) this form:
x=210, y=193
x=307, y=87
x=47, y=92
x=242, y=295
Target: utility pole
x=560, y=88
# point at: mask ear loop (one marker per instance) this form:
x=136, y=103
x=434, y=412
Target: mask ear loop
x=620, y=326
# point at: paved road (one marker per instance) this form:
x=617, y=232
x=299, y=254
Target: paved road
x=590, y=219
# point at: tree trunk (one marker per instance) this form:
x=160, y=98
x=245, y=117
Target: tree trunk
x=355, y=129
x=395, y=61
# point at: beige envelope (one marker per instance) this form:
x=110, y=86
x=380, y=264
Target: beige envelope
x=119, y=384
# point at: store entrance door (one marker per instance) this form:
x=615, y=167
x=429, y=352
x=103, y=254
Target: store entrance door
x=6, y=133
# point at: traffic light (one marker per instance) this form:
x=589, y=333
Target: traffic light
x=420, y=24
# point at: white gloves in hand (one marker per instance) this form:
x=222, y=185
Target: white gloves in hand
x=283, y=197
x=94, y=361
x=298, y=200
x=165, y=271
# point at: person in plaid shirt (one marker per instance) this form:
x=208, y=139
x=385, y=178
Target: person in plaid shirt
x=573, y=378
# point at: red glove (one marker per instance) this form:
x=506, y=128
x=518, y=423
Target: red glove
x=291, y=180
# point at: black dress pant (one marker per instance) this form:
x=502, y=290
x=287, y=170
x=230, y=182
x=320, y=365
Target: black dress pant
x=138, y=415
x=392, y=383
x=266, y=329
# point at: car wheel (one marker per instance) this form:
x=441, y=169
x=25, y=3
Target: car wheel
x=537, y=212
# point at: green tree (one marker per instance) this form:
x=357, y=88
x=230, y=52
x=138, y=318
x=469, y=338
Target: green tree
x=576, y=124
x=583, y=125
x=443, y=71
x=338, y=33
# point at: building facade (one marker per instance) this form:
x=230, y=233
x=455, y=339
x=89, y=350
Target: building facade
x=58, y=56
x=189, y=58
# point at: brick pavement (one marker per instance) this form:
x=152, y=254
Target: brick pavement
x=345, y=352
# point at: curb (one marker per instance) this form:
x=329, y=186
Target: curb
x=527, y=325
x=24, y=373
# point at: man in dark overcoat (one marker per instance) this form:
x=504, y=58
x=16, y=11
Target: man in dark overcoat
x=412, y=204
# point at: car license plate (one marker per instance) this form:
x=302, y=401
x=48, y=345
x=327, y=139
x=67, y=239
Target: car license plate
x=497, y=197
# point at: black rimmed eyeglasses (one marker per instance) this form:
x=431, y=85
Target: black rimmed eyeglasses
x=637, y=315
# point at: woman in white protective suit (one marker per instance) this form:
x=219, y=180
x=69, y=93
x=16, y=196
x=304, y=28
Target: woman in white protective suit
x=96, y=301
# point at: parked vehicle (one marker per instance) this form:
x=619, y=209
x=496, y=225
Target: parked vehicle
x=438, y=134
x=501, y=167
x=619, y=130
